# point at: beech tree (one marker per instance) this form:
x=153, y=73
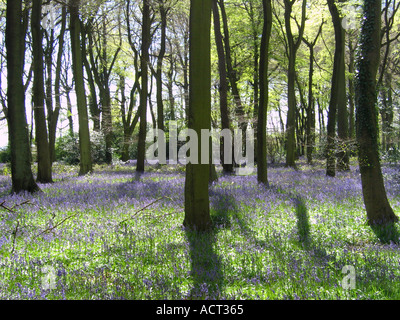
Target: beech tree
x=197, y=206
x=21, y=172
x=376, y=203
x=77, y=68
x=42, y=142
x=293, y=43
x=144, y=69
x=263, y=101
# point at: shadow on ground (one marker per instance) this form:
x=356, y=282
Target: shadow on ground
x=205, y=265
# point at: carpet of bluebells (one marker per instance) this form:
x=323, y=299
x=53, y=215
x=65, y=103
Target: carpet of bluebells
x=114, y=234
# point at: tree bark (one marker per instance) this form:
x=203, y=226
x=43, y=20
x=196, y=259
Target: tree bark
x=223, y=84
x=21, y=172
x=57, y=84
x=42, y=142
x=160, y=59
x=197, y=206
x=144, y=60
x=77, y=68
x=338, y=101
x=293, y=46
x=376, y=203
x=262, y=175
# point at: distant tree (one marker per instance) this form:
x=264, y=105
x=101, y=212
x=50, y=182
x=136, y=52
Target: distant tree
x=310, y=121
x=376, y=203
x=197, y=206
x=21, y=172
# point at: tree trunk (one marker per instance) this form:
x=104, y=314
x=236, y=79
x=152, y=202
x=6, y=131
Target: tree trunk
x=57, y=83
x=293, y=46
x=239, y=109
x=338, y=103
x=42, y=142
x=160, y=59
x=376, y=203
x=197, y=206
x=223, y=84
x=352, y=130
x=77, y=68
x=262, y=175
x=310, y=121
x=21, y=172
x=144, y=60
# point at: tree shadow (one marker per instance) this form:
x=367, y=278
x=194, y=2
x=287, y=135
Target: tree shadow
x=386, y=233
x=303, y=223
x=208, y=280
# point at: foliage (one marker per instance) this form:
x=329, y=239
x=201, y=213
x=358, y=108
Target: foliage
x=5, y=155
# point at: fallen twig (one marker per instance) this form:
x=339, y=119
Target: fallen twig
x=142, y=209
x=55, y=226
x=15, y=236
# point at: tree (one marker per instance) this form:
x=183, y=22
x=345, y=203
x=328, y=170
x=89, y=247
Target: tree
x=21, y=172
x=376, y=203
x=293, y=46
x=197, y=207
x=223, y=82
x=263, y=101
x=310, y=124
x=144, y=61
x=42, y=142
x=77, y=68
x=103, y=54
x=338, y=101
x=54, y=114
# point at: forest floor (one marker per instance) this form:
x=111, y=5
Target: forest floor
x=114, y=234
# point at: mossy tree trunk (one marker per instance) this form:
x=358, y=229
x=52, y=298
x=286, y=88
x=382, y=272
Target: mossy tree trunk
x=376, y=203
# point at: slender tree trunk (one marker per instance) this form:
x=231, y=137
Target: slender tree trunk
x=239, y=110
x=57, y=83
x=21, y=172
x=262, y=175
x=42, y=142
x=352, y=127
x=293, y=46
x=144, y=60
x=197, y=206
x=376, y=203
x=160, y=59
x=223, y=84
x=310, y=121
x=338, y=103
x=77, y=68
